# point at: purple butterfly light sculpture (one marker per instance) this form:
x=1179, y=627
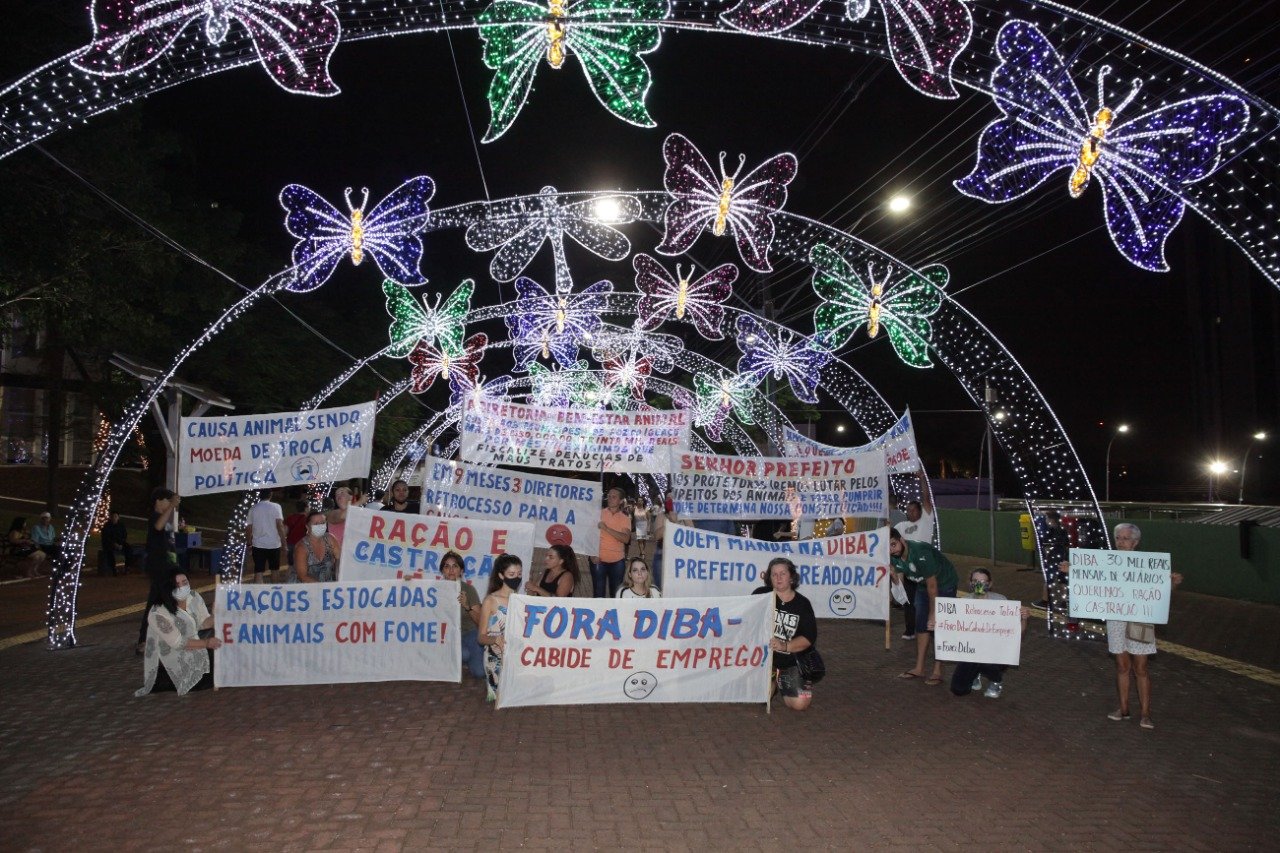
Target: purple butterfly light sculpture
x=703, y=201
x=545, y=325
x=925, y=36
x=665, y=295
x=388, y=233
x=294, y=38
x=1144, y=163
x=800, y=360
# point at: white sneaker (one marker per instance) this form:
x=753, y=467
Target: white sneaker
x=993, y=690
x=977, y=684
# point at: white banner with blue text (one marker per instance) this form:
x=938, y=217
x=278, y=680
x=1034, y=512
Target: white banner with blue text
x=898, y=444
x=754, y=487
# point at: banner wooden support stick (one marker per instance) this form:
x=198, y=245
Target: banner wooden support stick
x=887, y=644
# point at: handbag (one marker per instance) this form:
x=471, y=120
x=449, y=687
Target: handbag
x=812, y=666
x=1140, y=632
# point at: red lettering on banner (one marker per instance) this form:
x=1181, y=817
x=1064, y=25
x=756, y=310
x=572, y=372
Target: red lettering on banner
x=499, y=544
x=376, y=524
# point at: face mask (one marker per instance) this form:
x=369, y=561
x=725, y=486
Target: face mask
x=182, y=593
x=318, y=530
x=978, y=587
x=513, y=583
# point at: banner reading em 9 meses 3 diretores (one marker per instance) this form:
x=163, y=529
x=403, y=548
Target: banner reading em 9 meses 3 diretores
x=737, y=487
x=844, y=577
x=379, y=545
x=563, y=511
x=241, y=452
x=578, y=651
x=496, y=432
x=337, y=633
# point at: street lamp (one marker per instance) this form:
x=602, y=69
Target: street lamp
x=1216, y=468
x=1257, y=436
x=1120, y=430
x=897, y=205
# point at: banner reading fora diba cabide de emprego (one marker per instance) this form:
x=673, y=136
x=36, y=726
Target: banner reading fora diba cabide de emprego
x=844, y=577
x=337, y=633
x=574, y=651
x=242, y=452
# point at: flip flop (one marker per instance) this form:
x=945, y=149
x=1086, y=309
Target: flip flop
x=932, y=681
x=907, y=676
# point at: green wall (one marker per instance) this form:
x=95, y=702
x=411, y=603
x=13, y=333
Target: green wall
x=1207, y=555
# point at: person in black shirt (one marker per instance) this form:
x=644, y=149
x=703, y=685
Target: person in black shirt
x=115, y=543
x=795, y=629
x=162, y=556
x=399, y=501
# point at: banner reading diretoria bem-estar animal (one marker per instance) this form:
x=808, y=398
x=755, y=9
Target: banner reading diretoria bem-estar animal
x=577, y=651
x=242, y=452
x=496, y=432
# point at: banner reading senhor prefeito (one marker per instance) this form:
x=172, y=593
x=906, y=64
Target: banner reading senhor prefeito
x=898, y=444
x=495, y=432
x=563, y=511
x=1130, y=586
x=844, y=577
x=379, y=545
x=751, y=487
x=337, y=633
x=981, y=630
x=562, y=651
x=242, y=452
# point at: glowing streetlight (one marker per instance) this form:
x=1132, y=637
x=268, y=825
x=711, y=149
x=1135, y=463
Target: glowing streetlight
x=1257, y=436
x=1120, y=430
x=1216, y=469
x=607, y=209
x=899, y=204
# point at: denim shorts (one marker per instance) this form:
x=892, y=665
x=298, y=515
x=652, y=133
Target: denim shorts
x=791, y=685
x=921, y=604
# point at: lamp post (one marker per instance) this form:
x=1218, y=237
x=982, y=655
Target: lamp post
x=1120, y=430
x=1257, y=436
x=1216, y=468
x=991, y=398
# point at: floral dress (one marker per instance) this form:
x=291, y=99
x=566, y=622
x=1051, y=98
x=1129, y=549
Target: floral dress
x=167, y=636
x=492, y=657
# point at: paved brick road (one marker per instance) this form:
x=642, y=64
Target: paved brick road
x=876, y=763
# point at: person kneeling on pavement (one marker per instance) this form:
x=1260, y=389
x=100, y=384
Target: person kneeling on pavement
x=969, y=674
x=180, y=639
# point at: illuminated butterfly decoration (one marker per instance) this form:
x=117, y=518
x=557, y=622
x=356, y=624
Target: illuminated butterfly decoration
x=630, y=373
x=800, y=360
x=594, y=393
x=518, y=236
x=902, y=307
x=606, y=35
x=702, y=201
x=544, y=325
x=294, y=38
x=462, y=387
x=1144, y=164
x=612, y=342
x=430, y=363
x=556, y=388
x=665, y=296
x=925, y=36
x=717, y=396
x=388, y=233
x=413, y=322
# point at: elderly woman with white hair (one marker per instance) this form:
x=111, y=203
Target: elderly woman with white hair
x=1132, y=643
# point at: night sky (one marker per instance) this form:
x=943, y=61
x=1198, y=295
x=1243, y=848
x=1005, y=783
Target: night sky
x=1105, y=341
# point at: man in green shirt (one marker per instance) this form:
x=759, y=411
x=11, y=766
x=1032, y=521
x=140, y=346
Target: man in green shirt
x=934, y=576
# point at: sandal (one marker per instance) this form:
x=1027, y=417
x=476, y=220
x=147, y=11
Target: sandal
x=1118, y=715
x=932, y=681
x=908, y=675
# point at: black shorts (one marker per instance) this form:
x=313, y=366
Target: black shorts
x=791, y=685
x=270, y=557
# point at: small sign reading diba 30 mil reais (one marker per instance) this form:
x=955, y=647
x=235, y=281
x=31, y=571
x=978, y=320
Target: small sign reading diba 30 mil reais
x=1131, y=586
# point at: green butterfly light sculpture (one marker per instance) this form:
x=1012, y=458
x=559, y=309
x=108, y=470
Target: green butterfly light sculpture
x=604, y=34
x=412, y=322
x=901, y=307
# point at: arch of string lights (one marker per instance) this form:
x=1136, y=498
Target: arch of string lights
x=1160, y=132
x=859, y=286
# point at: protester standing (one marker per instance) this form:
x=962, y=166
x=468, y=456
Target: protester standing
x=344, y=498
x=162, y=556
x=1133, y=643
x=266, y=534
x=505, y=580
x=115, y=543
x=917, y=527
x=615, y=534
x=642, y=529
x=935, y=578
x=399, y=499
x=295, y=525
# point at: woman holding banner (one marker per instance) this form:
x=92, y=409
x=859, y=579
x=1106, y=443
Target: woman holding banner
x=1125, y=640
x=451, y=569
x=315, y=558
x=177, y=658
x=505, y=580
x=560, y=575
x=795, y=629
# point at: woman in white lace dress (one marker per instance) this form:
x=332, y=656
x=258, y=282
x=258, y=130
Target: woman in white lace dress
x=177, y=658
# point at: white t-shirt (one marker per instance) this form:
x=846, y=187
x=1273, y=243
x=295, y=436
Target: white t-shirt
x=917, y=531
x=263, y=518
x=627, y=592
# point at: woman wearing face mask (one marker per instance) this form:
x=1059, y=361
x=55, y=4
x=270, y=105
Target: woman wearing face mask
x=505, y=580
x=315, y=558
x=560, y=576
x=451, y=569
x=177, y=658
x=968, y=675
